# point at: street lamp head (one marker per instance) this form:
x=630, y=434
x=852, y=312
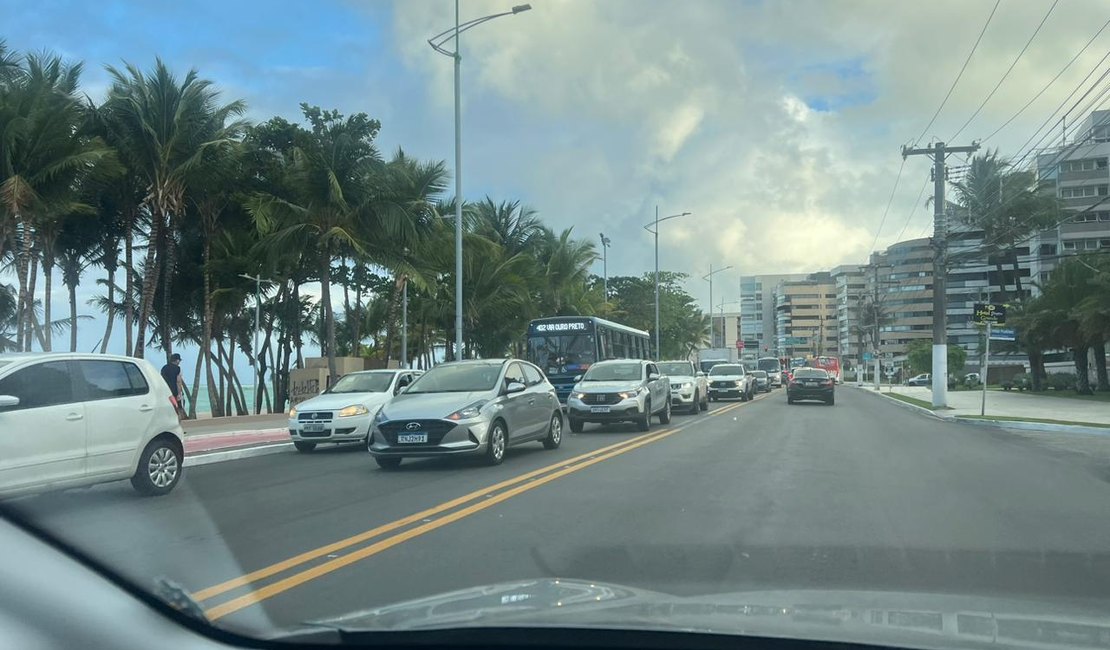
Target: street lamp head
x=521, y=8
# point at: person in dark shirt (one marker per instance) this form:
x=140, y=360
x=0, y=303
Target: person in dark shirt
x=171, y=373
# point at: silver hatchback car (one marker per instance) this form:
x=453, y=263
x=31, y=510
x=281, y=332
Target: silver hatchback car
x=466, y=408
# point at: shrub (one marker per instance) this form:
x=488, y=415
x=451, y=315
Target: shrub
x=1062, y=381
x=1007, y=385
x=1022, y=381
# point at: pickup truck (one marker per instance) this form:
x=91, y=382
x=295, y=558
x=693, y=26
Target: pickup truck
x=620, y=390
x=731, y=380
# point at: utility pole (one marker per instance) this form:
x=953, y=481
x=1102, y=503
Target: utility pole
x=605, y=241
x=940, y=253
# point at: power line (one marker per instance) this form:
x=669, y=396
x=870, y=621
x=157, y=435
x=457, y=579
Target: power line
x=961, y=73
x=1007, y=73
x=1049, y=84
x=913, y=210
x=888, y=202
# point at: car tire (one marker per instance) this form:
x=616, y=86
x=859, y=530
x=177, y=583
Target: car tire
x=704, y=404
x=695, y=408
x=497, y=442
x=832, y=401
x=643, y=423
x=790, y=400
x=744, y=396
x=554, y=432
x=303, y=446
x=665, y=414
x=159, y=467
x=575, y=425
x=387, y=463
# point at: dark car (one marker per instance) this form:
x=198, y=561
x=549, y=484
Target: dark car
x=811, y=384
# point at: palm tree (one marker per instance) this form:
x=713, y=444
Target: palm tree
x=44, y=158
x=326, y=174
x=508, y=224
x=162, y=128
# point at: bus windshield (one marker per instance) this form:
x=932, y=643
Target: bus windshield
x=562, y=354
x=770, y=364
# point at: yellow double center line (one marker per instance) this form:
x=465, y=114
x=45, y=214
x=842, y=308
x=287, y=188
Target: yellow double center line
x=522, y=483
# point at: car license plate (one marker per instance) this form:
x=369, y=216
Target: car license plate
x=599, y=409
x=412, y=438
x=313, y=427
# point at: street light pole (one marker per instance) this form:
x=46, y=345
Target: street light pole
x=437, y=42
x=656, y=233
x=712, y=328
x=605, y=241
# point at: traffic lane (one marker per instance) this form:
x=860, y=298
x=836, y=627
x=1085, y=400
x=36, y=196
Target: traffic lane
x=861, y=495
x=227, y=519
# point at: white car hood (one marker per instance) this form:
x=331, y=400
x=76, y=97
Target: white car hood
x=725, y=378
x=606, y=386
x=335, y=401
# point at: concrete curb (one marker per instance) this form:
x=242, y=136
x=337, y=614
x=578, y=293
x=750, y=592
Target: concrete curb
x=221, y=456
x=1035, y=426
x=906, y=405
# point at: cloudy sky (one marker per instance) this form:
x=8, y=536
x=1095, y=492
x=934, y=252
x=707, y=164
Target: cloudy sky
x=776, y=123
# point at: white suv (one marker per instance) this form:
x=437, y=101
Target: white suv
x=70, y=420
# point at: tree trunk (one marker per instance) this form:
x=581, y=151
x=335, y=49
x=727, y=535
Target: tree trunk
x=214, y=403
x=1100, y=367
x=111, y=308
x=1082, y=369
x=24, y=304
x=48, y=287
x=1019, y=293
x=129, y=284
x=1001, y=281
x=234, y=386
x=32, y=279
x=72, y=286
x=391, y=319
x=298, y=335
x=329, y=315
x=150, y=280
x=356, y=336
x=1036, y=369
x=167, y=289
x=197, y=367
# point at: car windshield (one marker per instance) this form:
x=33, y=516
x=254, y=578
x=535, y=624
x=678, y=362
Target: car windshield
x=460, y=378
x=726, y=369
x=760, y=317
x=676, y=369
x=614, y=372
x=810, y=373
x=363, y=382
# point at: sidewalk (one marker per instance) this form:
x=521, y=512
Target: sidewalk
x=1011, y=405
x=216, y=439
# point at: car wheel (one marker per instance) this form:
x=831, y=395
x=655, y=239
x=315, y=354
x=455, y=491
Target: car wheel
x=832, y=400
x=575, y=425
x=643, y=423
x=159, y=467
x=704, y=405
x=495, y=446
x=554, y=432
x=665, y=414
x=789, y=400
x=744, y=396
x=387, y=463
x=304, y=447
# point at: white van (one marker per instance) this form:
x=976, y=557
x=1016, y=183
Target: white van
x=70, y=420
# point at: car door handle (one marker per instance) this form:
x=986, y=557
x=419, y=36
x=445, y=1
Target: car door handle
x=146, y=407
x=73, y=417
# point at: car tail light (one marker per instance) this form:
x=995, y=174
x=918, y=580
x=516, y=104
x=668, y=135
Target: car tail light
x=794, y=384
x=828, y=382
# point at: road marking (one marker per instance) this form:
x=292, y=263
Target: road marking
x=308, y=556
x=522, y=483
x=285, y=584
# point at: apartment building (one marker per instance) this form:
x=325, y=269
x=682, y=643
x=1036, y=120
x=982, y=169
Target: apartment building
x=806, y=310
x=903, y=280
x=851, y=285
x=757, y=310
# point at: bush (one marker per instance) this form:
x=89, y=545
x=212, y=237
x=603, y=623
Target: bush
x=1022, y=381
x=1062, y=381
x=1007, y=385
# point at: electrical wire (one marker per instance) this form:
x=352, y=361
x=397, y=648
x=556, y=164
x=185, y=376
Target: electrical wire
x=961, y=73
x=888, y=202
x=1007, y=73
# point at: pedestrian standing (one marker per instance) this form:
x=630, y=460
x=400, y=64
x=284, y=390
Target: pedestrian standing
x=171, y=373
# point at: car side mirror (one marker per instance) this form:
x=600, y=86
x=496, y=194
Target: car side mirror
x=577, y=378
x=699, y=374
x=652, y=376
x=8, y=401
x=514, y=387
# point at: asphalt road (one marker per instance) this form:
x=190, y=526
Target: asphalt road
x=760, y=495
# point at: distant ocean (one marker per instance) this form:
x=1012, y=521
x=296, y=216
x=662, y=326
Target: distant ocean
x=204, y=410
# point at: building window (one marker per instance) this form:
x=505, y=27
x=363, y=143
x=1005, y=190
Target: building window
x=1069, y=245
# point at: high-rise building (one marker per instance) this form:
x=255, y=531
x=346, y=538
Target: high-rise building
x=851, y=285
x=805, y=316
x=902, y=279
x=757, y=310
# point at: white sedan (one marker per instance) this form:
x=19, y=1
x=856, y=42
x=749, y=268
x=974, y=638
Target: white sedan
x=344, y=412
